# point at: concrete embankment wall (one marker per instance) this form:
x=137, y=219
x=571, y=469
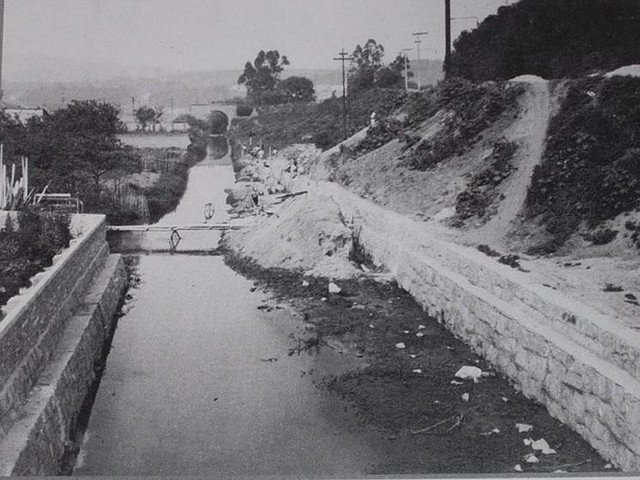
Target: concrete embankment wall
x=583, y=365
x=579, y=363
x=50, y=338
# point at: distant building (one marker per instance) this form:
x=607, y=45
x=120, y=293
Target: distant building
x=24, y=114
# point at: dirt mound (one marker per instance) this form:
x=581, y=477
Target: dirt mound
x=307, y=233
x=528, y=79
x=628, y=71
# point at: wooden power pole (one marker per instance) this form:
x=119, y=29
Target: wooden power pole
x=343, y=57
x=447, y=34
x=1, y=47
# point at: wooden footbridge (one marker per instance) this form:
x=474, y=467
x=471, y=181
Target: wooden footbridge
x=130, y=238
x=174, y=228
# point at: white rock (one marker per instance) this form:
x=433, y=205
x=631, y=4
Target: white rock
x=413, y=356
x=524, y=427
x=305, y=283
x=531, y=458
x=419, y=334
x=421, y=327
x=417, y=370
x=517, y=468
x=465, y=397
x=405, y=331
x=323, y=299
x=455, y=382
x=467, y=372
x=333, y=288
x=400, y=345
x=543, y=446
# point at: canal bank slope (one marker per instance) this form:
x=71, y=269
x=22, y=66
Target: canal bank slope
x=577, y=360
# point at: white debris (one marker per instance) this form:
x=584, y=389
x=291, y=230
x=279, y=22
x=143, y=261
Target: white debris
x=455, y=382
x=505, y=399
x=543, y=446
x=608, y=466
x=465, y=397
x=491, y=432
x=524, y=427
x=333, y=288
x=421, y=327
x=405, y=331
x=371, y=325
x=517, y=468
x=419, y=334
x=527, y=441
x=412, y=355
x=401, y=345
x=531, y=458
x=417, y=370
x=467, y=372
x=323, y=299
x=305, y=283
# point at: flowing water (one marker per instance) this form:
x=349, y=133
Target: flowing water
x=199, y=380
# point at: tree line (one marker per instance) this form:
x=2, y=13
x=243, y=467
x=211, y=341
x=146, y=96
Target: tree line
x=550, y=38
x=262, y=77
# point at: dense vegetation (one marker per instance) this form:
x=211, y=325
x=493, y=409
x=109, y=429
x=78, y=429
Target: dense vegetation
x=591, y=167
x=29, y=247
x=317, y=122
x=550, y=38
x=470, y=108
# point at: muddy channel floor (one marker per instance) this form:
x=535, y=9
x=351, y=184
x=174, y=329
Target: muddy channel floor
x=410, y=396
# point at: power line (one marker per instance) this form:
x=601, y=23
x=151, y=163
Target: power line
x=418, y=42
x=343, y=57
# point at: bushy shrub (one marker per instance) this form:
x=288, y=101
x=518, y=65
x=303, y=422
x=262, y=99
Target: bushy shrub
x=589, y=172
x=244, y=110
x=27, y=249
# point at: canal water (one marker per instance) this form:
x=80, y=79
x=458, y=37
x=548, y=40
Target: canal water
x=199, y=380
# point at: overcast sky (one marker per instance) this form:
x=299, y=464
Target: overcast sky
x=190, y=35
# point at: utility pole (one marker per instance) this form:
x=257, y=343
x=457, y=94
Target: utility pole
x=133, y=106
x=1, y=47
x=418, y=42
x=406, y=68
x=447, y=34
x=343, y=57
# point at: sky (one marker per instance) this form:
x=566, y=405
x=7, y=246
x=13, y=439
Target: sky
x=205, y=35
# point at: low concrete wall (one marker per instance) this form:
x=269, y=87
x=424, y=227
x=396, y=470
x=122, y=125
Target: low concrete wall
x=50, y=337
x=582, y=365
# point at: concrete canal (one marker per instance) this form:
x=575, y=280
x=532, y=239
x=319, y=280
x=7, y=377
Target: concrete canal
x=199, y=380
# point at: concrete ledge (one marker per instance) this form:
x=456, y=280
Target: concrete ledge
x=36, y=437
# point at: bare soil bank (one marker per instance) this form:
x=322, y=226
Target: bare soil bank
x=411, y=395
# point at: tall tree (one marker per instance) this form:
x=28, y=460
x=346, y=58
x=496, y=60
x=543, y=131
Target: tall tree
x=262, y=76
x=145, y=115
x=298, y=89
x=367, y=60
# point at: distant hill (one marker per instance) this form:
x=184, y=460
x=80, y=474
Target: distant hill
x=550, y=38
x=162, y=88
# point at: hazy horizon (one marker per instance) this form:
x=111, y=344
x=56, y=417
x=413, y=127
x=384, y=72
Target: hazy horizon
x=76, y=40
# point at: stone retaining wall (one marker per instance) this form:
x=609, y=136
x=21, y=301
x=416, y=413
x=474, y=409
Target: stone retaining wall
x=573, y=359
x=50, y=337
